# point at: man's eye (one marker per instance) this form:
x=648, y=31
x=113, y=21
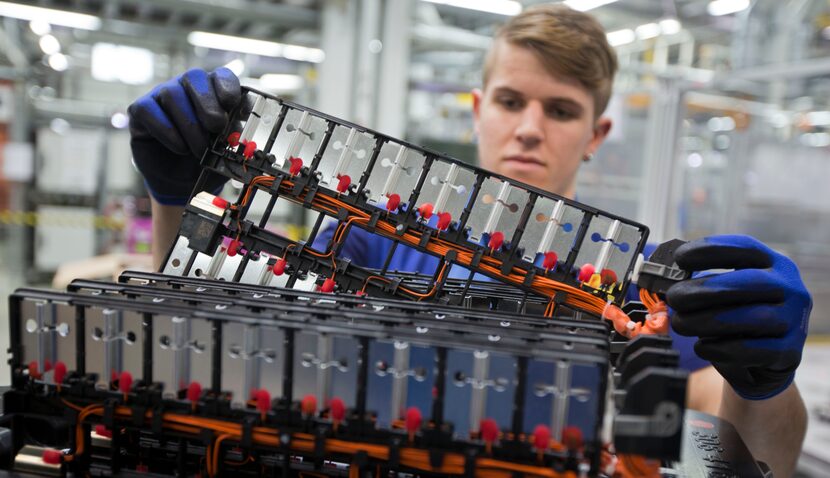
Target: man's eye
x=510, y=103
x=560, y=113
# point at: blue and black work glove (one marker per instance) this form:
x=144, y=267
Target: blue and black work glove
x=751, y=321
x=170, y=128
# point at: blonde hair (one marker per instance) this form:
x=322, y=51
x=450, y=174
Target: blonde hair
x=568, y=43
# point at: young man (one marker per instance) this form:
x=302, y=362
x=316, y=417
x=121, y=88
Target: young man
x=547, y=81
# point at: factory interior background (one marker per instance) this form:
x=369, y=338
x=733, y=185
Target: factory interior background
x=721, y=112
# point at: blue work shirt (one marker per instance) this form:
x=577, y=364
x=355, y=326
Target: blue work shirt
x=366, y=249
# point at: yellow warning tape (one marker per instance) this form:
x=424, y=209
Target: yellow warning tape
x=28, y=218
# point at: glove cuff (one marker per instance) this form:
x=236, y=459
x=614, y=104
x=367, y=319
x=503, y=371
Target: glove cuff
x=165, y=199
x=766, y=393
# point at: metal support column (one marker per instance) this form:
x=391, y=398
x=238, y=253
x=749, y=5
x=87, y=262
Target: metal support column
x=339, y=33
x=394, y=68
x=660, y=194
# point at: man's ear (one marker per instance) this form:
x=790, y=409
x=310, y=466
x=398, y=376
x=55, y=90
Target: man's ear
x=601, y=130
x=477, y=98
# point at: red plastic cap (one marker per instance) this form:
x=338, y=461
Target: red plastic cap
x=425, y=210
x=125, y=382
x=608, y=277
x=263, y=400
x=250, y=149
x=572, y=437
x=233, y=139
x=33, y=372
x=194, y=391
x=60, y=372
x=296, y=166
x=308, y=405
x=541, y=437
x=585, y=272
x=47, y=365
x=328, y=285
x=218, y=201
x=233, y=247
x=496, y=240
x=279, y=267
x=52, y=457
x=338, y=409
x=103, y=431
x=444, y=220
x=489, y=430
x=413, y=419
x=343, y=183
x=550, y=260
x=393, y=202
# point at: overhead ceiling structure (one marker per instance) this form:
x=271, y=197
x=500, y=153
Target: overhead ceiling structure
x=612, y=14
x=461, y=20
x=442, y=29
x=263, y=19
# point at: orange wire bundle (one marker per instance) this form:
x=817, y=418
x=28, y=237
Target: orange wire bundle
x=415, y=458
x=575, y=297
x=657, y=319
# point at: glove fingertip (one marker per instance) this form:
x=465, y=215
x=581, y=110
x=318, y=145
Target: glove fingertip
x=705, y=254
x=223, y=72
x=197, y=80
x=228, y=89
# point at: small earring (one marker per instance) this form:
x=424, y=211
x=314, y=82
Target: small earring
x=588, y=157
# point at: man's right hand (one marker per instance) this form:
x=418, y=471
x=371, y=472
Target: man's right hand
x=170, y=128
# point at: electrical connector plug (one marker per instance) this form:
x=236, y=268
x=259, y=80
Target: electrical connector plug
x=660, y=271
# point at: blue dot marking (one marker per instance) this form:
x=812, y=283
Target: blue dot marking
x=622, y=246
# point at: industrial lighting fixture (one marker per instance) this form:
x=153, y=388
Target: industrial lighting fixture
x=119, y=120
x=669, y=26
x=621, y=37
x=819, y=118
x=647, y=30
x=39, y=27
x=48, y=15
x=237, y=66
x=816, y=140
x=717, y=8
x=49, y=44
x=127, y=64
x=280, y=82
x=719, y=124
x=694, y=160
x=58, y=62
x=585, y=5
x=255, y=47
x=60, y=126
x=500, y=7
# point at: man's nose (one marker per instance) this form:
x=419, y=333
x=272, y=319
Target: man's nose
x=529, y=131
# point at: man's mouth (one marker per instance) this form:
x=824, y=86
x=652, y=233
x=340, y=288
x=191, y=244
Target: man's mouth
x=525, y=160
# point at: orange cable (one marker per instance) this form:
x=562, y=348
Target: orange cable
x=548, y=287
x=410, y=457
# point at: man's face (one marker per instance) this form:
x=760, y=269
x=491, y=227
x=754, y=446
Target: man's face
x=534, y=127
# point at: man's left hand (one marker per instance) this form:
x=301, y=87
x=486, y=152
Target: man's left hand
x=751, y=321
